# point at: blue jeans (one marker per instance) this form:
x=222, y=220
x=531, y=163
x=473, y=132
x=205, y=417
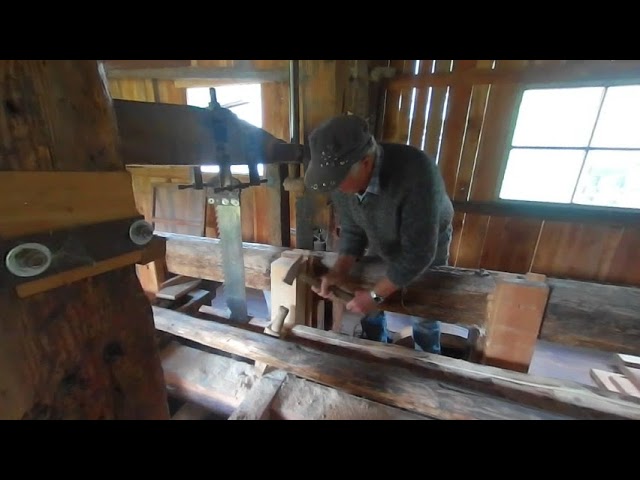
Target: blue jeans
x=426, y=333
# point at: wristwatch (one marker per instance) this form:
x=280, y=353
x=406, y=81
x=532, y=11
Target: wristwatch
x=376, y=298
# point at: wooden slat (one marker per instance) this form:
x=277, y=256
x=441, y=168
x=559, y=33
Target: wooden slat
x=469, y=242
x=624, y=268
x=453, y=132
x=573, y=250
x=435, y=114
x=581, y=73
x=510, y=244
x=418, y=124
x=389, y=385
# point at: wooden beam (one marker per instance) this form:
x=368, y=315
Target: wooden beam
x=199, y=74
x=167, y=134
x=385, y=384
x=85, y=350
x=257, y=402
x=591, y=72
x=551, y=211
x=561, y=396
x=201, y=257
x=578, y=313
x=222, y=383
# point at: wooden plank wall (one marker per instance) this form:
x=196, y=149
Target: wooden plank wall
x=475, y=130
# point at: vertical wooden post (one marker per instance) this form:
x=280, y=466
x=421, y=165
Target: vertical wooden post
x=85, y=350
x=516, y=310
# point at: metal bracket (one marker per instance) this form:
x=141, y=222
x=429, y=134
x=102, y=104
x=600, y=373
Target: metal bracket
x=38, y=256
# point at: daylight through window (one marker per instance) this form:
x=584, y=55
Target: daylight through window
x=243, y=100
x=576, y=145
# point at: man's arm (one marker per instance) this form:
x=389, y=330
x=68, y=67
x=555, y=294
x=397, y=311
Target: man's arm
x=353, y=239
x=419, y=229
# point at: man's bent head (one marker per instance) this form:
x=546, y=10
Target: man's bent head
x=341, y=155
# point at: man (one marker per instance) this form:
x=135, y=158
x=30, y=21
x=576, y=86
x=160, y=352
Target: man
x=389, y=199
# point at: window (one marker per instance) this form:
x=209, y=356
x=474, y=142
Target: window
x=576, y=145
x=243, y=100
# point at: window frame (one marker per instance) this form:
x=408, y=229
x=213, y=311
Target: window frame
x=554, y=210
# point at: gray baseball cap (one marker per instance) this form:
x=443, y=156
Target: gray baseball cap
x=335, y=146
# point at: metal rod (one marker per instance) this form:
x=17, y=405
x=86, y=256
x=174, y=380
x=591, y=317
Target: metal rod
x=294, y=96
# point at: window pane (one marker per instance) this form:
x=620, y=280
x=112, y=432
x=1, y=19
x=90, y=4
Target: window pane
x=619, y=122
x=541, y=175
x=558, y=117
x=610, y=179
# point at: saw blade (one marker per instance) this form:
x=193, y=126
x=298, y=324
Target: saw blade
x=227, y=205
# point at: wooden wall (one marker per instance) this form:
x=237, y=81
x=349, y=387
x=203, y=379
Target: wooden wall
x=472, y=155
x=470, y=141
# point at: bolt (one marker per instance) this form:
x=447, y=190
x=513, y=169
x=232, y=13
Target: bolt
x=141, y=232
x=211, y=201
x=28, y=259
x=225, y=201
x=235, y=202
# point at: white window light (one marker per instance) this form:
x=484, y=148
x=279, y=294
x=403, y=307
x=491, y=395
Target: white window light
x=244, y=100
x=576, y=145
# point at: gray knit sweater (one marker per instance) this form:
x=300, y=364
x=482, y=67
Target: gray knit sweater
x=408, y=224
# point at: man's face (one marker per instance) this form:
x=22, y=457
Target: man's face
x=358, y=177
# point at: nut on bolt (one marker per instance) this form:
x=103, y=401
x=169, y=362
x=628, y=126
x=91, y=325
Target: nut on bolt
x=28, y=259
x=141, y=232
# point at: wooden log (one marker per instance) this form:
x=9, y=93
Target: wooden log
x=386, y=384
x=221, y=384
x=200, y=257
x=560, y=396
x=565, y=397
x=578, y=313
x=72, y=352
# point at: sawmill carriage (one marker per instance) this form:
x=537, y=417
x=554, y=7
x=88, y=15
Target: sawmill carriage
x=135, y=275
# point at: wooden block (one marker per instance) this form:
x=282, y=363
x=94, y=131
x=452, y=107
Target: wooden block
x=30, y=204
x=604, y=379
x=177, y=287
x=255, y=405
x=515, y=316
x=404, y=337
x=624, y=385
x=633, y=374
x=196, y=299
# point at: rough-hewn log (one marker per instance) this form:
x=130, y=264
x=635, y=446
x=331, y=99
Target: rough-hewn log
x=221, y=383
x=588, y=314
x=85, y=350
x=386, y=384
x=578, y=313
x=202, y=258
x=565, y=397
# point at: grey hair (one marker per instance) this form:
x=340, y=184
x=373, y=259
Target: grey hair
x=372, y=150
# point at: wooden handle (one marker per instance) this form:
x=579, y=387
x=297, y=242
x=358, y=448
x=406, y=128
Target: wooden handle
x=343, y=295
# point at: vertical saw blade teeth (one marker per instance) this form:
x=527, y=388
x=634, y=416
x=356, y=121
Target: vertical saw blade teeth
x=228, y=223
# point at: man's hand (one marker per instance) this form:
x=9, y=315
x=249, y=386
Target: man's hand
x=362, y=303
x=328, y=280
